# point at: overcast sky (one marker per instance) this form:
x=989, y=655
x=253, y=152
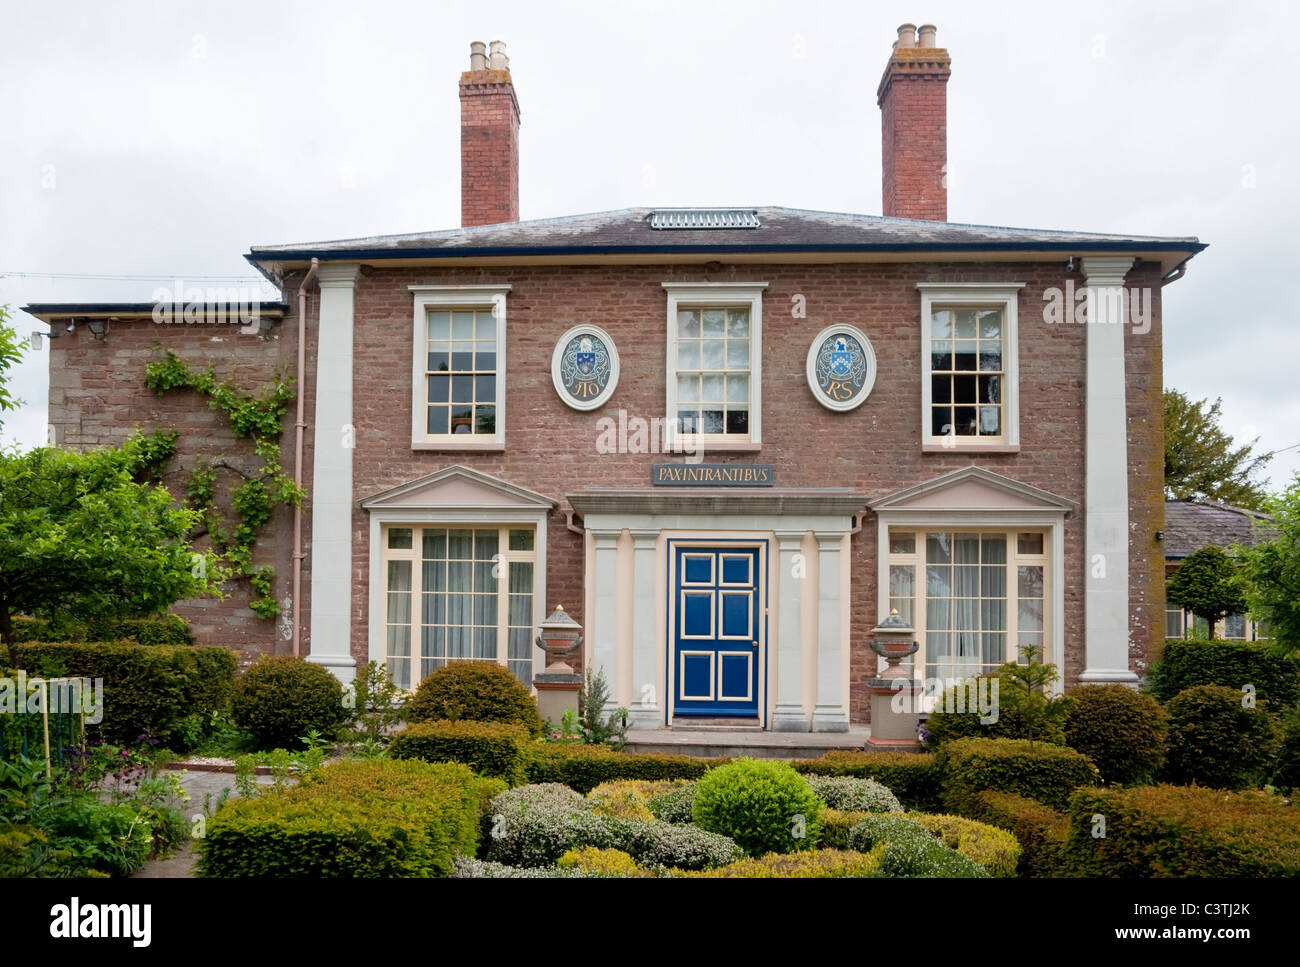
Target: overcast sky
x=163, y=139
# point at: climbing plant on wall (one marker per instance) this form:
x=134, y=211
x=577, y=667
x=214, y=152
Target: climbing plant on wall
x=252, y=495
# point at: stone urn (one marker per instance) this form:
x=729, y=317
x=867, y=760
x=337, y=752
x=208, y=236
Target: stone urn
x=560, y=638
x=893, y=640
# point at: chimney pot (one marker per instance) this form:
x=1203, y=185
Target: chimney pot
x=478, y=56
x=927, y=35
x=489, y=139
x=906, y=36
x=914, y=129
x=498, y=58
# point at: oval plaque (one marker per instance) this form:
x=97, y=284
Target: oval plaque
x=584, y=367
x=841, y=367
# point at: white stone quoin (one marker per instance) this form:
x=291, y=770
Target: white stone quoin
x=331, y=495
x=1106, y=611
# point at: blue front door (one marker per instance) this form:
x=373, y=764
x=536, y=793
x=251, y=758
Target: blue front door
x=716, y=652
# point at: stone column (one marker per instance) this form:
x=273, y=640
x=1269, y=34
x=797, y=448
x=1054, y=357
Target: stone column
x=605, y=643
x=1106, y=612
x=790, y=714
x=331, y=493
x=646, y=711
x=830, y=714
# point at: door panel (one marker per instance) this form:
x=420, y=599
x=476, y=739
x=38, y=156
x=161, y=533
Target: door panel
x=716, y=631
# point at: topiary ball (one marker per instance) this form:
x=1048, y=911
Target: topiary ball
x=280, y=700
x=1122, y=731
x=481, y=691
x=1016, y=711
x=1216, y=738
x=764, y=805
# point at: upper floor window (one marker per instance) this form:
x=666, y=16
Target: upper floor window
x=459, y=368
x=714, y=366
x=970, y=370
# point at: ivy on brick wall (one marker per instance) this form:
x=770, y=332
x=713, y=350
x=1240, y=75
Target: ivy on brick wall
x=253, y=495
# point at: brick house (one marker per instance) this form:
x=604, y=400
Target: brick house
x=1195, y=523
x=729, y=441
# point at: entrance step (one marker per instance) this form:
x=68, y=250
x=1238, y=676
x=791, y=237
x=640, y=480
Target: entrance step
x=683, y=723
x=744, y=741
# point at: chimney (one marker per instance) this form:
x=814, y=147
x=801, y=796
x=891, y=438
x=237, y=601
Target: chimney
x=913, y=102
x=489, y=138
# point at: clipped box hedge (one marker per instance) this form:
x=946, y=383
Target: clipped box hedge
x=379, y=818
x=1182, y=831
x=1040, y=830
x=912, y=777
x=163, y=629
x=584, y=767
x=1187, y=663
x=147, y=688
x=496, y=749
x=1047, y=773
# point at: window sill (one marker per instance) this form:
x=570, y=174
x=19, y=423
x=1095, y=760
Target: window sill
x=717, y=446
x=971, y=448
x=470, y=446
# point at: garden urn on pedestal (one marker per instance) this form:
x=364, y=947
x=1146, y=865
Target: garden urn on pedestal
x=558, y=683
x=894, y=712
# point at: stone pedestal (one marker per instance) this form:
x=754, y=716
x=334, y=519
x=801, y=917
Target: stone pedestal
x=558, y=684
x=894, y=694
x=557, y=692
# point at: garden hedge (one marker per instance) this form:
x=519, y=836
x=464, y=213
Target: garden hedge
x=820, y=863
x=147, y=688
x=1122, y=731
x=1048, y=773
x=494, y=749
x=163, y=629
x=584, y=767
x=908, y=849
x=1017, y=712
x=481, y=691
x=910, y=776
x=762, y=804
x=280, y=699
x=1040, y=830
x=378, y=818
x=1187, y=663
x=1216, y=740
x=1182, y=831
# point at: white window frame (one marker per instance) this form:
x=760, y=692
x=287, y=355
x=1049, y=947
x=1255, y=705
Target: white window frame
x=504, y=517
x=1050, y=523
x=974, y=294
x=478, y=297
x=718, y=295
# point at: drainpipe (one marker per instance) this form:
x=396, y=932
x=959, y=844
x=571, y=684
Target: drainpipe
x=298, y=426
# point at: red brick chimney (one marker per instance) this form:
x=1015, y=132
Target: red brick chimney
x=489, y=139
x=913, y=98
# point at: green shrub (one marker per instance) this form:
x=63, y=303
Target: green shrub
x=677, y=806
x=164, y=629
x=612, y=862
x=836, y=825
x=1214, y=740
x=147, y=688
x=1048, y=773
x=806, y=865
x=1122, y=731
x=378, y=818
x=494, y=749
x=1286, y=767
x=584, y=767
x=111, y=838
x=907, y=849
x=1182, y=831
x=1018, y=713
x=763, y=804
x=1040, y=830
x=630, y=798
x=1187, y=663
x=481, y=691
x=853, y=794
x=911, y=776
x=994, y=850
x=279, y=700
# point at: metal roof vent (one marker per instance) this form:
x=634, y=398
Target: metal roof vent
x=671, y=218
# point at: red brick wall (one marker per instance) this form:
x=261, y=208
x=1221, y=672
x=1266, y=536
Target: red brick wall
x=552, y=448
x=489, y=148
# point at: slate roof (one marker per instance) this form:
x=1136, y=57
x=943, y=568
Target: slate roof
x=1193, y=524
x=629, y=231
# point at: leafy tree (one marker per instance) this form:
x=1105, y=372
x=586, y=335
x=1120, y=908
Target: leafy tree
x=1208, y=585
x=1201, y=460
x=1271, y=569
x=87, y=535
x=11, y=350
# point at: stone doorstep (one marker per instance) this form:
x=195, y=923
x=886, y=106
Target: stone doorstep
x=745, y=741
